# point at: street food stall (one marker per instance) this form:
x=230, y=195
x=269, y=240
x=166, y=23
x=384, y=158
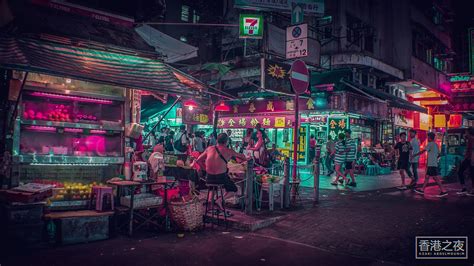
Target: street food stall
x=73, y=130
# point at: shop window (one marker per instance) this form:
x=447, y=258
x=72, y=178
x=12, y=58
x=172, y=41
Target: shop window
x=357, y=77
x=360, y=34
x=185, y=13
x=365, y=79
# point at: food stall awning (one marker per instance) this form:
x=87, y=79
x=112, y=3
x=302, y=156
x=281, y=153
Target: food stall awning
x=92, y=65
x=393, y=101
x=173, y=50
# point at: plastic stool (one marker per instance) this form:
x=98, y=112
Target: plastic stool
x=271, y=188
x=213, y=191
x=102, y=197
x=371, y=170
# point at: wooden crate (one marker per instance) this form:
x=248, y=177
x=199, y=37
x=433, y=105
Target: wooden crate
x=81, y=226
x=24, y=213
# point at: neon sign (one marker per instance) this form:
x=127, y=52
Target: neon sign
x=459, y=78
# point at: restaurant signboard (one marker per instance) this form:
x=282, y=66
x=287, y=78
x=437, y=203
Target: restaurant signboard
x=276, y=121
x=337, y=125
x=197, y=116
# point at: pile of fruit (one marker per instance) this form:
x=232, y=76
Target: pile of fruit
x=58, y=112
x=267, y=178
x=73, y=191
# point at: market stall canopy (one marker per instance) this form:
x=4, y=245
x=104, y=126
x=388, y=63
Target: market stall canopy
x=87, y=64
x=171, y=49
x=39, y=22
x=393, y=101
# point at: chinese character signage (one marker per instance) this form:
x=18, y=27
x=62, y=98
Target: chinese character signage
x=361, y=105
x=272, y=106
x=302, y=144
x=284, y=121
x=462, y=83
x=441, y=247
x=337, y=125
x=277, y=76
x=251, y=26
x=197, y=116
x=310, y=7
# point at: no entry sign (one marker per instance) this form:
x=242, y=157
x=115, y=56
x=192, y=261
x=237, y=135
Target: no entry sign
x=299, y=76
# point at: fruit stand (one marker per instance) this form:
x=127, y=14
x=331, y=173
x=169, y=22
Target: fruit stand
x=68, y=136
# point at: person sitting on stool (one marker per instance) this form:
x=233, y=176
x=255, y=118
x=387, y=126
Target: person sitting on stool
x=214, y=160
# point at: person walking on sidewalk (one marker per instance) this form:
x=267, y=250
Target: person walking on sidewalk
x=351, y=156
x=340, y=159
x=415, y=148
x=330, y=151
x=468, y=162
x=402, y=150
x=432, y=164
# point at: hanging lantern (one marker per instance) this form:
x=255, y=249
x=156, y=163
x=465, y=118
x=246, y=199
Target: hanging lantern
x=222, y=107
x=191, y=104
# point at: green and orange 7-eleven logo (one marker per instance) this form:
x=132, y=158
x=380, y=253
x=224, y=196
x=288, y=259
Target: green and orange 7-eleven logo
x=251, y=26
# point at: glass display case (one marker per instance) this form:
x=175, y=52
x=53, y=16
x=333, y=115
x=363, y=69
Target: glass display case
x=70, y=134
x=65, y=128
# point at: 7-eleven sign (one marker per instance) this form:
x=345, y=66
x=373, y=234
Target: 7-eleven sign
x=251, y=26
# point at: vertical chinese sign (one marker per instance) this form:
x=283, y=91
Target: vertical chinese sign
x=302, y=144
x=337, y=125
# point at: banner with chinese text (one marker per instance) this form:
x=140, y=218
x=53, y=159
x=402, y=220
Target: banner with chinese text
x=283, y=121
x=279, y=106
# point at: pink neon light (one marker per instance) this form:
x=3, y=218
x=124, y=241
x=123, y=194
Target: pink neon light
x=68, y=97
x=73, y=130
x=98, y=131
x=42, y=128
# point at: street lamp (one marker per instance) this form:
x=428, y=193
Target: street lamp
x=222, y=107
x=191, y=104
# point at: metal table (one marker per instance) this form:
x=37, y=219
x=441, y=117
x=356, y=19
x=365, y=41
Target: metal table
x=131, y=186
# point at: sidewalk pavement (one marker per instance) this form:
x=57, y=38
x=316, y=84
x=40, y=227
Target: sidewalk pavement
x=378, y=224
x=204, y=248
x=364, y=182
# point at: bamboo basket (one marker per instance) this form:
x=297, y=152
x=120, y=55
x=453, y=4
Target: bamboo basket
x=188, y=215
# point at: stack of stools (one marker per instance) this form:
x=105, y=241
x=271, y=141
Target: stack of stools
x=211, y=205
x=102, y=198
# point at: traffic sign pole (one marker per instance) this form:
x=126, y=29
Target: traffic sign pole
x=299, y=79
x=295, y=142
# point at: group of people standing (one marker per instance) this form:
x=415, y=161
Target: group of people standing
x=408, y=153
x=343, y=153
x=407, y=156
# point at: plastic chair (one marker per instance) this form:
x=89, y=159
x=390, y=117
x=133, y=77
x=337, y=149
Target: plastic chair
x=271, y=188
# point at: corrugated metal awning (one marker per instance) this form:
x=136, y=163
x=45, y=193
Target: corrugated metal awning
x=88, y=64
x=392, y=100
